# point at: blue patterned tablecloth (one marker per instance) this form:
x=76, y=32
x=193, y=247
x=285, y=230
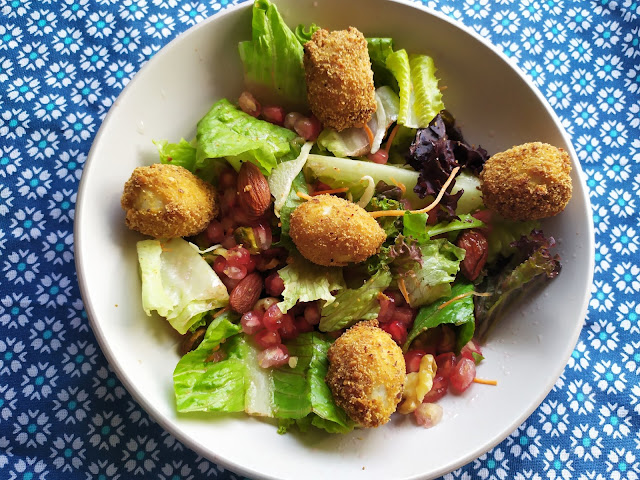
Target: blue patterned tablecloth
x=63, y=412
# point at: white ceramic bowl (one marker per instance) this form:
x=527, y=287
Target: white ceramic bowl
x=497, y=108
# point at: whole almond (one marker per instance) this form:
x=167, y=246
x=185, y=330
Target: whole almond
x=245, y=295
x=253, y=189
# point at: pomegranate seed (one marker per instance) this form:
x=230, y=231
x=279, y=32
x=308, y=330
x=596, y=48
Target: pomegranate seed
x=398, y=299
x=412, y=360
x=228, y=179
x=321, y=187
x=438, y=390
x=447, y=340
x=274, y=115
x=446, y=362
x=214, y=232
x=262, y=234
x=272, y=318
x=387, y=308
x=428, y=414
x=470, y=348
x=229, y=200
x=275, y=356
x=380, y=157
x=219, y=264
x=235, y=273
x=404, y=315
x=397, y=331
x=238, y=256
x=251, y=322
x=228, y=242
x=288, y=330
x=274, y=285
x=312, y=314
x=248, y=104
x=263, y=304
x=308, y=128
x=291, y=118
x=462, y=375
x=251, y=264
x=302, y=325
x=267, y=338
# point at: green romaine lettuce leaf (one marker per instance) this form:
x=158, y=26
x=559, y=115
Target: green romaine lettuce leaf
x=177, y=282
x=379, y=50
x=352, y=305
x=237, y=383
x=305, y=282
x=200, y=385
x=304, y=33
x=225, y=131
x=272, y=60
x=292, y=202
x=182, y=153
x=420, y=98
x=458, y=313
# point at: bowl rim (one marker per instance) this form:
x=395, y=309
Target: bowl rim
x=166, y=423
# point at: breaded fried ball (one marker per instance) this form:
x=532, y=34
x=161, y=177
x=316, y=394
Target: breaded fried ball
x=339, y=78
x=166, y=201
x=331, y=231
x=527, y=182
x=366, y=374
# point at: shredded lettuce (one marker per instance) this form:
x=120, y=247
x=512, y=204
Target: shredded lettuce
x=282, y=177
x=352, y=305
x=177, y=282
x=420, y=97
x=226, y=131
x=272, y=59
x=458, y=313
x=305, y=282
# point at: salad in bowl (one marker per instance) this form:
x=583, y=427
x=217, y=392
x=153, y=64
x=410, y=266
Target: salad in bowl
x=330, y=247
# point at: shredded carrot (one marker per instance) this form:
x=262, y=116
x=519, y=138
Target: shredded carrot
x=443, y=88
x=400, y=213
x=329, y=192
x=485, y=382
x=400, y=185
x=369, y=133
x=387, y=145
x=303, y=196
x=403, y=290
x=220, y=312
x=461, y=296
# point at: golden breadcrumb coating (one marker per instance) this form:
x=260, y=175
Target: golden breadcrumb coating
x=527, y=182
x=339, y=78
x=166, y=201
x=331, y=231
x=366, y=374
